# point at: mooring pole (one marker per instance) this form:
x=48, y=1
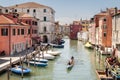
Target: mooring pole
x=10, y=66
x=8, y=74
x=22, y=68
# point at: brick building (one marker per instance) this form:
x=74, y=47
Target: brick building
x=74, y=29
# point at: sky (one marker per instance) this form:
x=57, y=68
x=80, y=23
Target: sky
x=67, y=11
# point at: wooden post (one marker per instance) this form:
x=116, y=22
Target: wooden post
x=8, y=75
x=39, y=54
x=21, y=66
x=22, y=69
x=28, y=61
x=26, y=57
x=34, y=59
x=43, y=54
x=10, y=65
x=20, y=61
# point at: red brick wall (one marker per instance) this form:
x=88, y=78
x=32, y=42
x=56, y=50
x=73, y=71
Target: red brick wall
x=74, y=29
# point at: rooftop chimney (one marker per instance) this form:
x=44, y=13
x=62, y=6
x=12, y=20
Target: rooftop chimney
x=116, y=10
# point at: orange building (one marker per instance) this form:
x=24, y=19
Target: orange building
x=103, y=31
x=32, y=29
x=14, y=36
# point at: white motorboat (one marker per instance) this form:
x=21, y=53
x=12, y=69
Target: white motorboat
x=40, y=60
x=45, y=56
x=54, y=53
x=38, y=63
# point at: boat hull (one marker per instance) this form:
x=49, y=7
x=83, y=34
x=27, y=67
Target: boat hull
x=102, y=75
x=40, y=60
x=69, y=66
x=46, y=56
x=18, y=70
x=58, y=46
x=38, y=64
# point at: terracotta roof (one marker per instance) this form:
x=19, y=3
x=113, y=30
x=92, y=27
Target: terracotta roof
x=5, y=20
x=102, y=13
x=24, y=24
x=26, y=15
x=28, y=5
x=22, y=14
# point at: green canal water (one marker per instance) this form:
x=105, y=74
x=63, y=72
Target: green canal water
x=84, y=68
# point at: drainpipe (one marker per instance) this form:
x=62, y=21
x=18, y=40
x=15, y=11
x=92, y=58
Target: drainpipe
x=115, y=17
x=115, y=25
x=9, y=39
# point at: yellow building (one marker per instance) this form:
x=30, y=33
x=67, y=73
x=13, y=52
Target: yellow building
x=85, y=24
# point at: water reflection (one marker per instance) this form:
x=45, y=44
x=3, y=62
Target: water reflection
x=56, y=69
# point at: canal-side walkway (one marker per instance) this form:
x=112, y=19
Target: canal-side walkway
x=6, y=61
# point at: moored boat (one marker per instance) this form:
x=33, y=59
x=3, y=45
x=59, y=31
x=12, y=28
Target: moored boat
x=45, y=56
x=102, y=75
x=52, y=52
x=40, y=60
x=114, y=67
x=38, y=63
x=20, y=70
x=62, y=41
x=88, y=45
x=58, y=46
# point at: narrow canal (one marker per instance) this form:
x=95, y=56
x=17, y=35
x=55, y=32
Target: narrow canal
x=56, y=69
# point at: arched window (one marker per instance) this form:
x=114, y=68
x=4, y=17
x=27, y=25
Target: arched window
x=44, y=29
x=28, y=10
x=44, y=10
x=34, y=10
x=45, y=19
x=6, y=10
x=15, y=10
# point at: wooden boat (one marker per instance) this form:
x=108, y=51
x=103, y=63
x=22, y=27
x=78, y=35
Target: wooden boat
x=38, y=63
x=102, y=75
x=19, y=70
x=40, y=60
x=115, y=71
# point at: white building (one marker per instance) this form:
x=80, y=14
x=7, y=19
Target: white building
x=1, y=9
x=116, y=30
x=44, y=14
x=116, y=33
x=79, y=36
x=92, y=32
